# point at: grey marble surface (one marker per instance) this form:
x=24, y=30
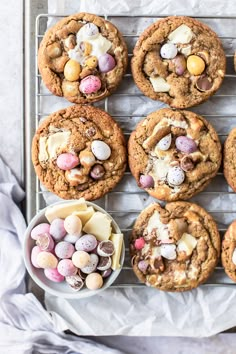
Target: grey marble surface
x=11, y=147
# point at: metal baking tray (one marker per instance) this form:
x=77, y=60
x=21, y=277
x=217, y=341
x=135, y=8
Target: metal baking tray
x=118, y=202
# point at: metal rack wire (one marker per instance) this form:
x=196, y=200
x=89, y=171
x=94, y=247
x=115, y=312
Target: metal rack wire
x=219, y=194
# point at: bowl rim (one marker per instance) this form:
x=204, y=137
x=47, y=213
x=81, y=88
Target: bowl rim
x=75, y=294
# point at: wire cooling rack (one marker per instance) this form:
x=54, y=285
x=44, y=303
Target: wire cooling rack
x=218, y=199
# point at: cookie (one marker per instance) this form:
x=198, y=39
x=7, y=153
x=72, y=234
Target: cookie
x=174, y=154
x=174, y=248
x=229, y=160
x=178, y=60
x=228, y=253
x=79, y=152
x=83, y=58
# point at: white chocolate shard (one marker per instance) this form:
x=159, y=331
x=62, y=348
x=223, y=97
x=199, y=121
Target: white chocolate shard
x=99, y=225
x=43, y=154
x=182, y=34
x=57, y=141
x=186, y=51
x=65, y=209
x=187, y=243
x=159, y=84
x=84, y=215
x=234, y=257
x=117, y=240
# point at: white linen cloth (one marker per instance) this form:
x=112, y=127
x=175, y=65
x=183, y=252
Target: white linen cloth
x=25, y=326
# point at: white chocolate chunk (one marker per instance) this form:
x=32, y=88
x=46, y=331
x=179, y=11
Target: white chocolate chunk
x=187, y=243
x=234, y=257
x=84, y=215
x=186, y=51
x=179, y=275
x=168, y=251
x=117, y=240
x=177, y=123
x=160, y=169
x=182, y=34
x=57, y=141
x=99, y=225
x=43, y=154
x=65, y=209
x=155, y=223
x=156, y=252
x=159, y=84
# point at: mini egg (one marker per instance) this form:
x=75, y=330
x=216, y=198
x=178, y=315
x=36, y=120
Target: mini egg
x=104, y=263
x=71, y=238
x=34, y=254
x=97, y=171
x=39, y=229
x=67, y=161
x=195, y=65
x=106, y=63
x=64, y=249
x=45, y=242
x=86, y=243
x=165, y=143
x=168, y=251
x=90, y=29
x=101, y=150
x=105, y=248
x=106, y=273
x=81, y=259
x=53, y=275
x=73, y=225
x=146, y=181
x=91, y=62
x=66, y=267
x=57, y=229
x=90, y=84
x=72, y=70
x=46, y=260
x=75, y=282
x=168, y=51
x=139, y=243
x=142, y=266
x=185, y=144
x=175, y=176
x=92, y=265
x=87, y=158
x=94, y=281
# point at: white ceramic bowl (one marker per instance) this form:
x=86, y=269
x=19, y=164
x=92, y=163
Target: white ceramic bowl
x=63, y=289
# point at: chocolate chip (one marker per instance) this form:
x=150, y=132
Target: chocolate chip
x=158, y=264
x=82, y=187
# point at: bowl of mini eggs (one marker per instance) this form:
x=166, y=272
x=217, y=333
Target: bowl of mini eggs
x=73, y=249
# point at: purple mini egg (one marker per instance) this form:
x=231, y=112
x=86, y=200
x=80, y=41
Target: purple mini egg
x=39, y=229
x=185, y=144
x=64, y=250
x=92, y=265
x=146, y=181
x=66, y=268
x=86, y=243
x=53, y=275
x=45, y=242
x=106, y=273
x=57, y=229
x=106, y=63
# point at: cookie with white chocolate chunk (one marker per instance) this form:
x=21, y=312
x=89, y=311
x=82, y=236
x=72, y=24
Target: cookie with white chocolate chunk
x=174, y=154
x=178, y=60
x=174, y=248
x=228, y=252
x=83, y=57
x=79, y=152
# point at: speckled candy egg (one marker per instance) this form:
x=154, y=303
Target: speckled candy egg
x=168, y=51
x=45, y=242
x=81, y=259
x=53, y=275
x=90, y=29
x=175, y=176
x=66, y=268
x=34, y=254
x=101, y=150
x=165, y=143
x=106, y=63
x=168, y=251
x=57, y=229
x=86, y=243
x=94, y=281
x=71, y=238
x=90, y=84
x=106, y=273
x=46, y=260
x=105, y=248
x=64, y=249
x=67, y=161
x=139, y=243
x=146, y=181
x=39, y=229
x=142, y=266
x=185, y=144
x=92, y=265
x=75, y=282
x=104, y=263
x=73, y=225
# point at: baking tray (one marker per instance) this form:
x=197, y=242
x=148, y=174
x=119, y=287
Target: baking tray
x=118, y=202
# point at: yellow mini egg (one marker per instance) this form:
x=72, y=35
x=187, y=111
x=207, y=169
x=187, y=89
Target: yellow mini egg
x=72, y=70
x=195, y=65
x=94, y=281
x=91, y=62
x=80, y=259
x=73, y=225
x=46, y=260
x=87, y=158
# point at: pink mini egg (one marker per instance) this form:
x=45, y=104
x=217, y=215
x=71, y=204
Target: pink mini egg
x=106, y=63
x=90, y=84
x=39, y=229
x=66, y=268
x=45, y=242
x=54, y=275
x=34, y=254
x=64, y=249
x=57, y=229
x=139, y=243
x=67, y=161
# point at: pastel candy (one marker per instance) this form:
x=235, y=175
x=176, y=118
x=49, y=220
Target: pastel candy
x=164, y=143
x=90, y=84
x=146, y=181
x=175, y=176
x=45, y=242
x=94, y=281
x=64, y=250
x=101, y=150
x=106, y=63
x=39, y=229
x=185, y=144
x=139, y=243
x=57, y=229
x=81, y=259
x=90, y=29
x=75, y=282
x=168, y=51
x=106, y=273
x=86, y=243
x=104, y=263
x=66, y=267
x=142, y=266
x=67, y=161
x=46, y=260
x=105, y=248
x=92, y=265
x=73, y=225
x=34, y=254
x=53, y=275
x=71, y=238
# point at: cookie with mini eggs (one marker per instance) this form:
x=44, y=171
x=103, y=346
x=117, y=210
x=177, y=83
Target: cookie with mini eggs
x=178, y=60
x=78, y=152
x=83, y=57
x=174, y=154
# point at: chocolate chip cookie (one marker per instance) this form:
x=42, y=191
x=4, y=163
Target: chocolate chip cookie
x=228, y=253
x=79, y=152
x=83, y=58
x=174, y=248
x=174, y=154
x=229, y=160
x=178, y=60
